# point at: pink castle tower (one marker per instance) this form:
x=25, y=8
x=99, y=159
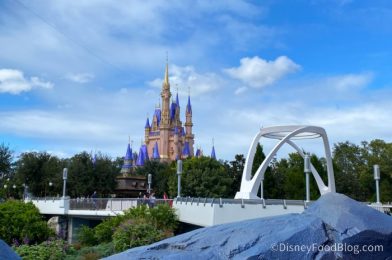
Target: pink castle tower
x=167, y=138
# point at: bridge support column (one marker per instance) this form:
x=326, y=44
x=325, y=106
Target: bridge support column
x=262, y=189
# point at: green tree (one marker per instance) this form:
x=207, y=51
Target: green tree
x=37, y=169
x=85, y=176
x=258, y=159
x=349, y=163
x=22, y=222
x=203, y=177
x=235, y=169
x=274, y=181
x=376, y=152
x=161, y=172
x=294, y=180
x=6, y=157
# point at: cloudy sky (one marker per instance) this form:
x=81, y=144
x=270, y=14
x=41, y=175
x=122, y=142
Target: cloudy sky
x=83, y=75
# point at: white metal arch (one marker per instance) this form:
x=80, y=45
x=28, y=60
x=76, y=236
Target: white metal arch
x=285, y=134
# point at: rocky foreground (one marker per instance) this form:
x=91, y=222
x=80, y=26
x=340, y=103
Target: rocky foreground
x=333, y=227
x=7, y=253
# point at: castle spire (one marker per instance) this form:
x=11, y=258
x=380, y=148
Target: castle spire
x=155, y=151
x=127, y=165
x=177, y=100
x=166, y=81
x=189, y=106
x=167, y=74
x=213, y=156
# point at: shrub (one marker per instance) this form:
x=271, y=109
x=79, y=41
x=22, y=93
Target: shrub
x=21, y=221
x=104, y=231
x=164, y=217
x=139, y=212
x=53, y=250
x=132, y=234
x=94, y=252
x=86, y=236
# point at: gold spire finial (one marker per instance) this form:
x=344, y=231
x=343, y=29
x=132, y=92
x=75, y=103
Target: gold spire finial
x=129, y=139
x=213, y=141
x=131, y=143
x=189, y=91
x=167, y=70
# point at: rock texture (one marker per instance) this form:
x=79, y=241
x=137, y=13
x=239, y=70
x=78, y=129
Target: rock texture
x=333, y=227
x=7, y=253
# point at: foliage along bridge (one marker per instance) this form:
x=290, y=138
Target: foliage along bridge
x=210, y=211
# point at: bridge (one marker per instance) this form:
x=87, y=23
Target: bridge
x=196, y=211
x=213, y=211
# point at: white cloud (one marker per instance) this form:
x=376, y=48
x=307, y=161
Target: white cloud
x=258, y=73
x=13, y=82
x=350, y=81
x=240, y=90
x=51, y=124
x=80, y=77
x=184, y=77
x=36, y=82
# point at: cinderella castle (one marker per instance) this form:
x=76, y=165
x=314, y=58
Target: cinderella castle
x=166, y=138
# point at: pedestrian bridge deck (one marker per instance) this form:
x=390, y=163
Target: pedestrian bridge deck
x=196, y=211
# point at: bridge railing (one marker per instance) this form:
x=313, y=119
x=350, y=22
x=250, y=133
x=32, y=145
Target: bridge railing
x=112, y=204
x=242, y=202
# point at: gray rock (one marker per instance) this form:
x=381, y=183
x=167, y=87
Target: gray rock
x=7, y=253
x=333, y=227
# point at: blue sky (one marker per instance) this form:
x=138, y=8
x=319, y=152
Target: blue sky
x=83, y=75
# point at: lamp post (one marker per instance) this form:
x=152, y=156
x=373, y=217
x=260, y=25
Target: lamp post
x=14, y=195
x=376, y=169
x=50, y=186
x=65, y=175
x=24, y=190
x=6, y=191
x=307, y=171
x=179, y=172
x=261, y=189
x=149, y=180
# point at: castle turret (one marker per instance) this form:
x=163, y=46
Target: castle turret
x=127, y=166
x=166, y=134
x=165, y=120
x=213, y=156
x=189, y=137
x=147, y=129
x=155, y=152
x=165, y=94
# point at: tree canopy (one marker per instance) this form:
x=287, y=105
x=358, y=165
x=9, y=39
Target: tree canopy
x=202, y=177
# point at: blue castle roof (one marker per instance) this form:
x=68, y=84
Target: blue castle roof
x=143, y=156
x=128, y=158
x=147, y=123
x=173, y=108
x=157, y=113
x=128, y=155
x=189, y=106
x=198, y=152
x=213, y=153
x=155, y=151
x=186, y=150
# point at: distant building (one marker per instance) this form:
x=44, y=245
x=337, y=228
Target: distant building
x=166, y=137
